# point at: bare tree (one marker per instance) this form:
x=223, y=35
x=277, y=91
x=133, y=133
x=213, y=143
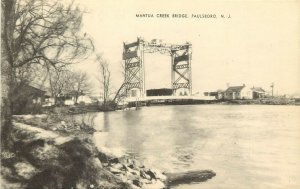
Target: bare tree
x=80, y=84
x=46, y=33
x=65, y=82
x=105, y=80
x=59, y=83
x=37, y=32
x=7, y=15
x=26, y=74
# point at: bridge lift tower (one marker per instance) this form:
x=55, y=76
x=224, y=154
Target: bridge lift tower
x=133, y=56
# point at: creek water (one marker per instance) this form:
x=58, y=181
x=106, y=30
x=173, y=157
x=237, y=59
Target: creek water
x=248, y=146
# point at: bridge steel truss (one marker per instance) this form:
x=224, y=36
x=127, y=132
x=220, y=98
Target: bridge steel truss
x=133, y=56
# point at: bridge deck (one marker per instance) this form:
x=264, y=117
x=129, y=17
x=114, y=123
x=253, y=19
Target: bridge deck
x=170, y=98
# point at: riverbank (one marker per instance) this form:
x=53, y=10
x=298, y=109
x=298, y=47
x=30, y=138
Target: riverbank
x=84, y=109
x=191, y=101
x=56, y=151
x=263, y=101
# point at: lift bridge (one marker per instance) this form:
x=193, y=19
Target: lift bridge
x=133, y=57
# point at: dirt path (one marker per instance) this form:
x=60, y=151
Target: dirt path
x=42, y=133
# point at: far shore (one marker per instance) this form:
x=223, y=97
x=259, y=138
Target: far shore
x=85, y=108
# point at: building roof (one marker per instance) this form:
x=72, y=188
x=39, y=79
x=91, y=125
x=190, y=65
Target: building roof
x=24, y=90
x=75, y=93
x=25, y=87
x=235, y=88
x=258, y=89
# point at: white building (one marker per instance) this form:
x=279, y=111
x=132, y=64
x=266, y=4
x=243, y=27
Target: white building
x=238, y=92
x=84, y=99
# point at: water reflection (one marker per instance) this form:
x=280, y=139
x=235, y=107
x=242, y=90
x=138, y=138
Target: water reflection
x=106, y=123
x=133, y=139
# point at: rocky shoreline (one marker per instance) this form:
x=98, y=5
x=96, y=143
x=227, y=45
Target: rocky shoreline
x=51, y=153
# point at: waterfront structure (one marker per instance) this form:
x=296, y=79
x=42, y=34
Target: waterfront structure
x=258, y=92
x=238, y=92
x=219, y=94
x=133, y=56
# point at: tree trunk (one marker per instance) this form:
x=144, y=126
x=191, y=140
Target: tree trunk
x=175, y=179
x=7, y=25
x=6, y=103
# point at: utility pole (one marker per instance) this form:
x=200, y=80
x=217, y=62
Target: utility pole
x=272, y=86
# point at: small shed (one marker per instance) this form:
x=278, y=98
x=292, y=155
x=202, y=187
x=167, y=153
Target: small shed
x=258, y=92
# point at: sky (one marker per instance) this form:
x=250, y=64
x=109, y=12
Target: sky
x=258, y=45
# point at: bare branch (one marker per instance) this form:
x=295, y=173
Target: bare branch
x=45, y=31
x=104, y=79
